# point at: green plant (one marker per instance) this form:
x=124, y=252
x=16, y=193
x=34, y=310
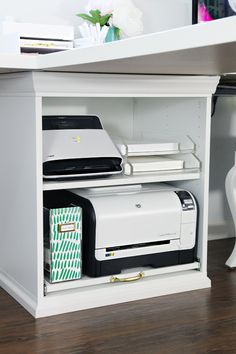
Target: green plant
x=95, y=17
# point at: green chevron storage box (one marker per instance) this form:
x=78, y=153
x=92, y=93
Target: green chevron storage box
x=62, y=244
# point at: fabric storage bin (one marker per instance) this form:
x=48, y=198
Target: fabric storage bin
x=62, y=244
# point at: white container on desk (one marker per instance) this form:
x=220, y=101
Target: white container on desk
x=9, y=40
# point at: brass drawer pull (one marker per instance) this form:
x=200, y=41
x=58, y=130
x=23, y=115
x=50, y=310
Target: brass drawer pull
x=127, y=280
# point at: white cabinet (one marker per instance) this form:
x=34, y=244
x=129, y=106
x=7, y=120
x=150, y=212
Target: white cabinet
x=128, y=105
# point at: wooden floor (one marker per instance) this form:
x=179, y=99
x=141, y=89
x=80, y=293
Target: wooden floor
x=198, y=322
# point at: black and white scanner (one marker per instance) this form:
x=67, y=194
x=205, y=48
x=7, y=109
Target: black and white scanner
x=77, y=146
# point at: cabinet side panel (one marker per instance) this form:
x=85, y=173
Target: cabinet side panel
x=200, y=188
x=20, y=187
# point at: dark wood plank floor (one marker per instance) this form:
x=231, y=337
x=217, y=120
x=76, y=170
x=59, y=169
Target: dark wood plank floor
x=198, y=322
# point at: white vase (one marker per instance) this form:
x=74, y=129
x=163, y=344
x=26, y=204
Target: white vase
x=230, y=188
x=232, y=4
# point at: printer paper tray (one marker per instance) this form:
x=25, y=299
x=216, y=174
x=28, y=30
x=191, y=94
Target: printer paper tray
x=138, y=250
x=87, y=281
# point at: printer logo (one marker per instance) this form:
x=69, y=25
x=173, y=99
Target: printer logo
x=138, y=205
x=77, y=139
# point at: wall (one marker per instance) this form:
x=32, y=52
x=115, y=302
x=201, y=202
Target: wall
x=158, y=14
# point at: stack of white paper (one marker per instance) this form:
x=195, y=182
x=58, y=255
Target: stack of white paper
x=147, y=164
x=145, y=148
x=147, y=156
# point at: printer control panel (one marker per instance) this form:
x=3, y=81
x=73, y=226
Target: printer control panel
x=186, y=200
x=189, y=220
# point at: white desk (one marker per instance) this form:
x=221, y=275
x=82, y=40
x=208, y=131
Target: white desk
x=203, y=49
x=128, y=103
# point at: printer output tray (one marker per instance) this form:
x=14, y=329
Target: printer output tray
x=72, y=168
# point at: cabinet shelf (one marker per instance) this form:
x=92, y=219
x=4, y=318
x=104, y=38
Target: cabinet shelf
x=119, y=180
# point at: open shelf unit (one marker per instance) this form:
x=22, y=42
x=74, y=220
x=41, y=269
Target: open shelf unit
x=191, y=170
x=163, y=176
x=129, y=106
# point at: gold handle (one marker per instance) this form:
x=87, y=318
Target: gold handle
x=127, y=280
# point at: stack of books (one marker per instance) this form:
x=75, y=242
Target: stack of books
x=41, y=38
x=144, y=156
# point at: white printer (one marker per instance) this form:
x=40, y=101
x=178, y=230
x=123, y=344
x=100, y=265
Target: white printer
x=77, y=146
x=132, y=226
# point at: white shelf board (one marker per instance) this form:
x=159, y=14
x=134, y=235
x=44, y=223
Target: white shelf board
x=87, y=281
x=202, y=49
x=15, y=63
x=118, y=180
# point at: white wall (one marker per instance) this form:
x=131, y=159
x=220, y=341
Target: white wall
x=158, y=14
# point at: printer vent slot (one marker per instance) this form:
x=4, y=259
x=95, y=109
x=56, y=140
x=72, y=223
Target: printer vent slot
x=138, y=245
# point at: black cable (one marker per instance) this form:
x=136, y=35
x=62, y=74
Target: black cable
x=214, y=101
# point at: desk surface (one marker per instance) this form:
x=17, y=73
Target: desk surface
x=203, y=49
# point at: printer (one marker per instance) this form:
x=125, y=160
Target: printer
x=135, y=226
x=77, y=146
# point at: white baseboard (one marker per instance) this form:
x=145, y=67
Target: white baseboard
x=222, y=231
x=18, y=292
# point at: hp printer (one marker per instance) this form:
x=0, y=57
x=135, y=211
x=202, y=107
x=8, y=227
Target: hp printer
x=77, y=146
x=134, y=226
